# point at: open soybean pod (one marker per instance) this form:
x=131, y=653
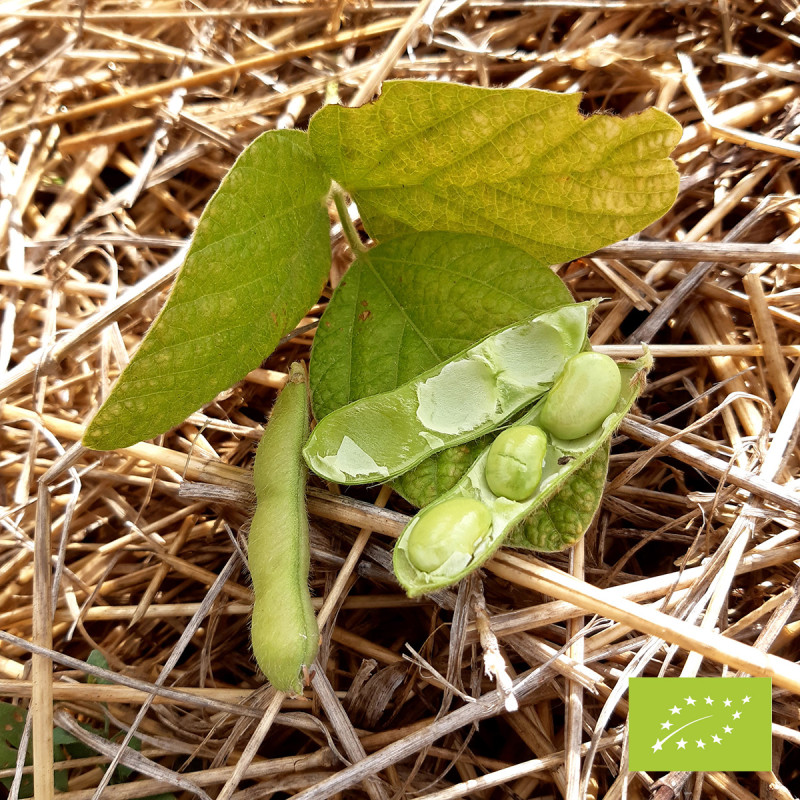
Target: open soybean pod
x=488, y=519
x=284, y=631
x=378, y=438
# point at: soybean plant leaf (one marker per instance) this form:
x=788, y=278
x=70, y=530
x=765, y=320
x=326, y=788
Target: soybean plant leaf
x=411, y=302
x=60, y=736
x=258, y=261
x=97, y=659
x=565, y=517
x=521, y=165
x=439, y=473
x=12, y=724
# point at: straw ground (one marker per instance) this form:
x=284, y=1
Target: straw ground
x=124, y=601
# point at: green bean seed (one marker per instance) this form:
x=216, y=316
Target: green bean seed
x=449, y=528
x=515, y=461
x=377, y=438
x=583, y=395
x=284, y=631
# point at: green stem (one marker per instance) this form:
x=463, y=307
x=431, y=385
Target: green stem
x=348, y=229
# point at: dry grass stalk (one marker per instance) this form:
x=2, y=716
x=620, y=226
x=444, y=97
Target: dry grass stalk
x=116, y=127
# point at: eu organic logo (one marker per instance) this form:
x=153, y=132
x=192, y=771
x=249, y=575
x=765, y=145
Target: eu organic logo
x=700, y=724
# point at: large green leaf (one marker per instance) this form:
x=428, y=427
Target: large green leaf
x=411, y=302
x=258, y=261
x=520, y=165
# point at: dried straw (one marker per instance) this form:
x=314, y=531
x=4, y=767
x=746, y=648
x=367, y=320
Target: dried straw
x=117, y=125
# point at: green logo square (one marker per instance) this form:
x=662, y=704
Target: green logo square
x=700, y=724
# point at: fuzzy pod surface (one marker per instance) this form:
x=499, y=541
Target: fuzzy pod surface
x=284, y=631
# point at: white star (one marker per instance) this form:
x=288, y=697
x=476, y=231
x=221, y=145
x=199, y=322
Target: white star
x=657, y=745
x=701, y=744
x=728, y=729
x=737, y=715
x=666, y=725
x=675, y=710
x=727, y=702
x=681, y=744
x=689, y=701
x=709, y=701
x=746, y=699
x=716, y=738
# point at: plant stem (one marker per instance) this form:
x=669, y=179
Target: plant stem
x=348, y=229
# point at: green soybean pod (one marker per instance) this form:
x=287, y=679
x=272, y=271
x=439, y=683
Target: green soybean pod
x=515, y=461
x=284, y=631
x=563, y=459
x=377, y=438
x=583, y=395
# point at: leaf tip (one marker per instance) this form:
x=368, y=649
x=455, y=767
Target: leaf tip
x=99, y=436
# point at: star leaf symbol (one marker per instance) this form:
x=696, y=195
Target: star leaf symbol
x=666, y=725
x=657, y=746
x=709, y=701
x=727, y=702
x=728, y=729
x=701, y=744
x=716, y=738
x=689, y=701
x=746, y=699
x=681, y=744
x=737, y=714
x=675, y=710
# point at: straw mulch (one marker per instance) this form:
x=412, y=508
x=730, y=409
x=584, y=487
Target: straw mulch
x=117, y=125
